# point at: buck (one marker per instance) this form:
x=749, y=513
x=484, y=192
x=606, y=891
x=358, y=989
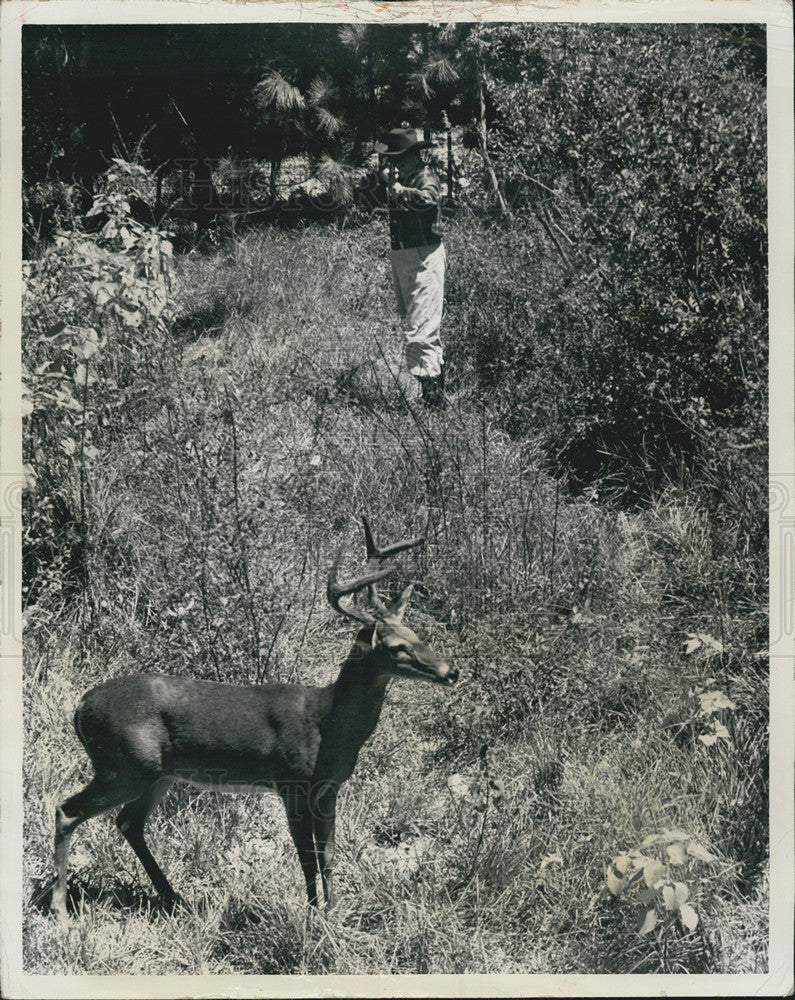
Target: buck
x=144, y=732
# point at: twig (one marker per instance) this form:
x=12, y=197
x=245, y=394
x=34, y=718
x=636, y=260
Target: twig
x=541, y=216
x=473, y=868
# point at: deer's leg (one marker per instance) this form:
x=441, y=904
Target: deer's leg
x=299, y=816
x=98, y=796
x=324, y=817
x=131, y=822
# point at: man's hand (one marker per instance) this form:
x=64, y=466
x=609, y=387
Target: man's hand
x=397, y=188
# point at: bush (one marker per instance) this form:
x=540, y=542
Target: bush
x=643, y=327
x=94, y=314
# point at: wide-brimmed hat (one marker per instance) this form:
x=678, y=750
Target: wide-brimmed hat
x=398, y=141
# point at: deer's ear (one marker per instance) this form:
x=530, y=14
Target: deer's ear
x=397, y=608
x=374, y=637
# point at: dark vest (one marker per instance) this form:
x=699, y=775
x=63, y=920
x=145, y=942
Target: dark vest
x=417, y=226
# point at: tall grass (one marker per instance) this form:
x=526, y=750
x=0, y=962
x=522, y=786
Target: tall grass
x=477, y=831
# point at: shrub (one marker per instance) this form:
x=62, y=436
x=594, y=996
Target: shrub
x=642, y=329
x=94, y=308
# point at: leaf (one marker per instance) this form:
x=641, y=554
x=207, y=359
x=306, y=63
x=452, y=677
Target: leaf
x=681, y=892
x=130, y=317
x=616, y=875
x=496, y=787
x=85, y=350
x=653, y=838
x=669, y=897
x=688, y=916
x=669, y=836
x=708, y=739
x=676, y=854
x=647, y=921
x=694, y=849
x=328, y=123
x=102, y=291
x=67, y=400
x=614, y=882
x=81, y=375
x=30, y=477
x=458, y=785
x=55, y=331
x=90, y=343
x=692, y=645
x=714, y=645
x=653, y=872
x=714, y=701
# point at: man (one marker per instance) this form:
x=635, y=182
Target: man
x=414, y=197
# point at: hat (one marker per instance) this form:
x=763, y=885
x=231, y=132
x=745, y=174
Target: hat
x=399, y=141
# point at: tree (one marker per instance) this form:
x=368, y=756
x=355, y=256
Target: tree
x=642, y=150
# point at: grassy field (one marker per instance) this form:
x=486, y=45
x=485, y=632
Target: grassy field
x=591, y=797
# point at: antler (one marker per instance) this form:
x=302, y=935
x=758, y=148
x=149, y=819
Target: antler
x=335, y=590
x=374, y=554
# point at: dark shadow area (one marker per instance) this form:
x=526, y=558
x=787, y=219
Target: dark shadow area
x=120, y=897
x=204, y=321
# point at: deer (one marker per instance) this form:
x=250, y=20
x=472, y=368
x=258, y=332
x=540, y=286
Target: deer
x=143, y=732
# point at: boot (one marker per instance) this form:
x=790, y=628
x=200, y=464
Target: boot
x=432, y=391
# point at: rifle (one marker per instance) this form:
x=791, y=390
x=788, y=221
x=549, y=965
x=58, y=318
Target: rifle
x=391, y=177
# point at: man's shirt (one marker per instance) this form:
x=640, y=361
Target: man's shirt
x=415, y=214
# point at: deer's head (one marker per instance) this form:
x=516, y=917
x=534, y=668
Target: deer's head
x=397, y=649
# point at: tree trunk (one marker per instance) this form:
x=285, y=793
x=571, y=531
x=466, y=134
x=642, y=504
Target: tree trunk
x=426, y=52
x=483, y=140
x=274, y=178
x=450, y=188
x=448, y=132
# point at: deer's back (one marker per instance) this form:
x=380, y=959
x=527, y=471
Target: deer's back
x=208, y=733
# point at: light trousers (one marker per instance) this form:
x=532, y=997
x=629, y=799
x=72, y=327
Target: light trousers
x=418, y=274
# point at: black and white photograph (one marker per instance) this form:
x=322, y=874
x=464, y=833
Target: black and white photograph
x=391, y=488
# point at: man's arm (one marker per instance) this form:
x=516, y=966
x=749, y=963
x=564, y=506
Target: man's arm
x=425, y=191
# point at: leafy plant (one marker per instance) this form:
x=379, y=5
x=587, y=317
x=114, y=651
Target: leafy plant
x=645, y=876
x=711, y=701
x=94, y=306
x=706, y=721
